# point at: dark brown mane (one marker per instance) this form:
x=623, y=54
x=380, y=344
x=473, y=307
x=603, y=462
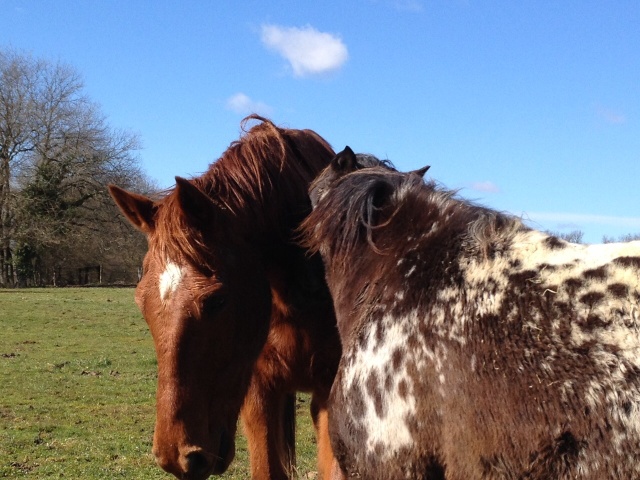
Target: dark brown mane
x=364, y=202
x=261, y=180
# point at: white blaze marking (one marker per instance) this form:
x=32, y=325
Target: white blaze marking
x=170, y=280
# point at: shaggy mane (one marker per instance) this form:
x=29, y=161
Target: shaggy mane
x=261, y=180
x=365, y=205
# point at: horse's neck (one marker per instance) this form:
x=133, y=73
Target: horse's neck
x=269, y=221
x=297, y=279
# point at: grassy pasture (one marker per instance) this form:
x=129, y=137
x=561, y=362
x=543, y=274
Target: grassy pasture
x=77, y=389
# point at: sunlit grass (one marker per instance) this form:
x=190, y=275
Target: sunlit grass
x=77, y=389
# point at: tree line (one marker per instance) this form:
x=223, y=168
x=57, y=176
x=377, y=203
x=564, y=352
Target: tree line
x=58, y=225
x=576, y=236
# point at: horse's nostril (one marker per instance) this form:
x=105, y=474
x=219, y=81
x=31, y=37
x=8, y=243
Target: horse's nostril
x=197, y=465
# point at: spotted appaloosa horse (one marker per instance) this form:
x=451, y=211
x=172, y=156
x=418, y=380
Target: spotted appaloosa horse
x=473, y=346
x=240, y=315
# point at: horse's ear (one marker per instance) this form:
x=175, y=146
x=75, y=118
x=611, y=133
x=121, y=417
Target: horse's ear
x=198, y=208
x=138, y=209
x=345, y=161
x=420, y=171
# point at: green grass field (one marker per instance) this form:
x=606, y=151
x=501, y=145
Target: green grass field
x=77, y=389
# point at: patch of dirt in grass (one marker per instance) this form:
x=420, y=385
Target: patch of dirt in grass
x=23, y=467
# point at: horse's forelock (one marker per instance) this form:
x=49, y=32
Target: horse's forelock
x=175, y=239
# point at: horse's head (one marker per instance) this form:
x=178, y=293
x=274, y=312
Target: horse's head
x=351, y=200
x=346, y=162
x=207, y=303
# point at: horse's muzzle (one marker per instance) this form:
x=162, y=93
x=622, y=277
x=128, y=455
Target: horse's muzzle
x=197, y=465
x=194, y=463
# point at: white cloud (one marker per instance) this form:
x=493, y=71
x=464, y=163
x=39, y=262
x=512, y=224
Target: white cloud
x=486, y=187
x=242, y=104
x=308, y=51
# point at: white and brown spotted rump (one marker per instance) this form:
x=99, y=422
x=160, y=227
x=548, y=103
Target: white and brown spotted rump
x=474, y=347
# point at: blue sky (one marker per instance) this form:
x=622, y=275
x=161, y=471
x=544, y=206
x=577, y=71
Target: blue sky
x=527, y=107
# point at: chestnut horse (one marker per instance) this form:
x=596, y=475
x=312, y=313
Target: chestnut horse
x=240, y=315
x=473, y=346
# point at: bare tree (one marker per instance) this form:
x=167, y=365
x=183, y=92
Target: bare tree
x=574, y=236
x=624, y=238
x=17, y=75
x=57, y=154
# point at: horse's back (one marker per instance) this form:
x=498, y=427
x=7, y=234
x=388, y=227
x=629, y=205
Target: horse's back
x=528, y=368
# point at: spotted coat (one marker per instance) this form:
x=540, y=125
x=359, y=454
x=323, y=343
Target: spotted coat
x=474, y=347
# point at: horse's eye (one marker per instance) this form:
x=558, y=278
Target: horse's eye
x=214, y=303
